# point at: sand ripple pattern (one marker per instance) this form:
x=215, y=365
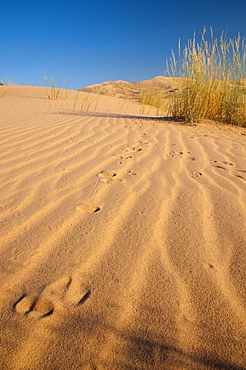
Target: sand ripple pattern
x=123, y=239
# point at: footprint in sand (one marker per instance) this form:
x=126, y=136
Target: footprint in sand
x=110, y=180
x=36, y=307
x=196, y=174
x=109, y=177
x=222, y=162
x=240, y=177
x=24, y=304
x=63, y=292
x=229, y=164
x=131, y=173
x=43, y=307
x=180, y=153
x=123, y=156
x=133, y=149
x=107, y=174
x=90, y=208
x=208, y=266
x=143, y=142
x=118, y=156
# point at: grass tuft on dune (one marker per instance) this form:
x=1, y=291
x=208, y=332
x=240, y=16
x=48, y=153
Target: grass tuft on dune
x=213, y=80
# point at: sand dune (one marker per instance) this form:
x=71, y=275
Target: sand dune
x=123, y=239
x=132, y=90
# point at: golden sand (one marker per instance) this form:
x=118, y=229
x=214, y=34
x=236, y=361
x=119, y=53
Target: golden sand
x=123, y=239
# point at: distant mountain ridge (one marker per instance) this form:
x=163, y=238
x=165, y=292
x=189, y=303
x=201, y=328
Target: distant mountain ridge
x=125, y=89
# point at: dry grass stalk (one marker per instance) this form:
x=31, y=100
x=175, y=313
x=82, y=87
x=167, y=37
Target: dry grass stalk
x=52, y=91
x=86, y=101
x=213, y=80
x=5, y=92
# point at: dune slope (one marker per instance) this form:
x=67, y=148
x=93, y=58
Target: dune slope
x=123, y=242
x=132, y=90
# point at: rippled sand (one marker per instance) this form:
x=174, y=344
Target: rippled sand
x=123, y=238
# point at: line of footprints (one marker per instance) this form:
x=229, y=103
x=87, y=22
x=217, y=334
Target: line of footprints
x=110, y=177
x=222, y=165
x=64, y=292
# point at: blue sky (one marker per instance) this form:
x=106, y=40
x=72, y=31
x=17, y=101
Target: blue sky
x=87, y=42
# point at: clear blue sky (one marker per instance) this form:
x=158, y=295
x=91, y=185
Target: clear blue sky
x=92, y=41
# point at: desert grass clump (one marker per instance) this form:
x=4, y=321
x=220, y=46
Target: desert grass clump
x=52, y=91
x=213, y=83
x=153, y=98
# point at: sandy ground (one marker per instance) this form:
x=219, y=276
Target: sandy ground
x=123, y=239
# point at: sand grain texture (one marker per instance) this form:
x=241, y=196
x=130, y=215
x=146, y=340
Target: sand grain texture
x=122, y=238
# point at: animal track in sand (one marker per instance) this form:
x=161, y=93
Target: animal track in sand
x=224, y=162
x=90, y=208
x=131, y=173
x=143, y=142
x=123, y=156
x=180, y=153
x=133, y=149
x=173, y=153
x=36, y=307
x=64, y=169
x=60, y=292
x=110, y=180
x=43, y=307
x=109, y=177
x=240, y=177
x=221, y=167
x=196, y=174
x=229, y=164
x=24, y=304
x=208, y=266
x=107, y=174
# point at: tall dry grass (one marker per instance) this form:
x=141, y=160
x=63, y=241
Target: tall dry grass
x=153, y=98
x=213, y=83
